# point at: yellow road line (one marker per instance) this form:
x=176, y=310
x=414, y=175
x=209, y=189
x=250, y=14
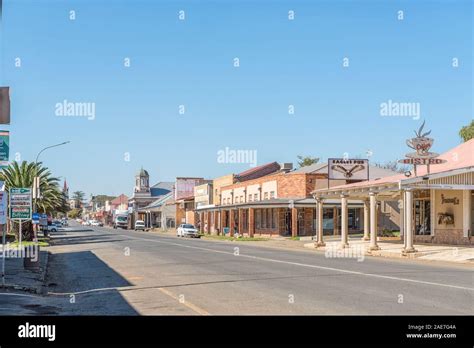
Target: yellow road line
x=185, y=302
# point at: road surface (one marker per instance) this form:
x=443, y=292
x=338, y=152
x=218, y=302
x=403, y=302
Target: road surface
x=104, y=271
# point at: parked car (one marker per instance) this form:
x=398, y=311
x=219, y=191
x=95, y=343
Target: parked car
x=52, y=227
x=187, y=230
x=94, y=223
x=139, y=225
x=86, y=223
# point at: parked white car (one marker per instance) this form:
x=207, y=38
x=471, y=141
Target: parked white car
x=53, y=227
x=94, y=223
x=187, y=230
x=139, y=225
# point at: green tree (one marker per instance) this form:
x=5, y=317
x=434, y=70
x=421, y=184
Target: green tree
x=467, y=132
x=75, y=213
x=393, y=166
x=304, y=161
x=78, y=197
x=22, y=175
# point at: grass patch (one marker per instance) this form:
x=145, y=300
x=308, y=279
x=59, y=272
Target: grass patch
x=294, y=238
x=30, y=243
x=240, y=239
x=388, y=233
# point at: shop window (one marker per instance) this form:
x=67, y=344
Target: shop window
x=269, y=218
x=422, y=216
x=258, y=217
x=264, y=218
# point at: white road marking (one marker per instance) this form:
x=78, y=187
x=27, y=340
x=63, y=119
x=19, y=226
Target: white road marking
x=307, y=265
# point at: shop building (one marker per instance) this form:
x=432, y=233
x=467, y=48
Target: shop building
x=435, y=204
x=280, y=204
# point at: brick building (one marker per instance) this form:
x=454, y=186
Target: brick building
x=277, y=204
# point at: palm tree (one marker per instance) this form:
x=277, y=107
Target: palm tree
x=22, y=175
x=78, y=197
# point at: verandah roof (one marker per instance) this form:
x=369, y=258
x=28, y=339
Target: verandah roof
x=459, y=161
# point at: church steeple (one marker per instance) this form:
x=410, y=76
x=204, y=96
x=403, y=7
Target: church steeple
x=142, y=181
x=65, y=189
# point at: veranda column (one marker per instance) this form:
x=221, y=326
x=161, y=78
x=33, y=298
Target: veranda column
x=409, y=222
x=222, y=225
x=208, y=223
x=319, y=207
x=294, y=222
x=251, y=222
x=240, y=213
x=344, y=222
x=373, y=222
x=201, y=222
x=231, y=222
x=366, y=221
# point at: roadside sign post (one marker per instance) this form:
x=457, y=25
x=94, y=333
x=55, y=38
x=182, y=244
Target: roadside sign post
x=4, y=237
x=3, y=221
x=20, y=206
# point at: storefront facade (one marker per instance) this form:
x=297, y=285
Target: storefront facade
x=436, y=206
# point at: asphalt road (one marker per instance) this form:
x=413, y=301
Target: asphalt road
x=105, y=271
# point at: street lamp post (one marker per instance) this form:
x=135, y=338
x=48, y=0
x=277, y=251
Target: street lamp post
x=36, y=183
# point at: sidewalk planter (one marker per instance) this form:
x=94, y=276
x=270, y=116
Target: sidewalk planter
x=32, y=262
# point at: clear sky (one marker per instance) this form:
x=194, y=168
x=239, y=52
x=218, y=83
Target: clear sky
x=282, y=62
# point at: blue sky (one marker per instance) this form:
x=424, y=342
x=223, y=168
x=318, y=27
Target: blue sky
x=190, y=62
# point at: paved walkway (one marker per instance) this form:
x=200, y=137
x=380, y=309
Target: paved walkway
x=392, y=249
x=19, y=278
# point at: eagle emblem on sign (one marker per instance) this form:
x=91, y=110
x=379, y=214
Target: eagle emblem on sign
x=347, y=172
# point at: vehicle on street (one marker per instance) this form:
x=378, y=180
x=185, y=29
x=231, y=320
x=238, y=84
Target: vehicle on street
x=121, y=219
x=53, y=227
x=96, y=223
x=139, y=225
x=187, y=230
x=86, y=223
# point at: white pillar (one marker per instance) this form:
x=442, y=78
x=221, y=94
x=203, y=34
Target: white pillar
x=401, y=205
x=373, y=222
x=344, y=222
x=319, y=207
x=466, y=212
x=366, y=221
x=409, y=222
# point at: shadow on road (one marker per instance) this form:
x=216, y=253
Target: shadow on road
x=86, y=285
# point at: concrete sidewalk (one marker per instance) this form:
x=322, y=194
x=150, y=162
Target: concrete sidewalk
x=391, y=249
x=18, y=278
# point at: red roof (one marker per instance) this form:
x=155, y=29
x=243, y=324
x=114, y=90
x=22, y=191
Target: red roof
x=119, y=200
x=257, y=172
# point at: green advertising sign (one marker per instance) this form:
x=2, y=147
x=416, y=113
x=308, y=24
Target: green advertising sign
x=4, y=148
x=20, y=203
